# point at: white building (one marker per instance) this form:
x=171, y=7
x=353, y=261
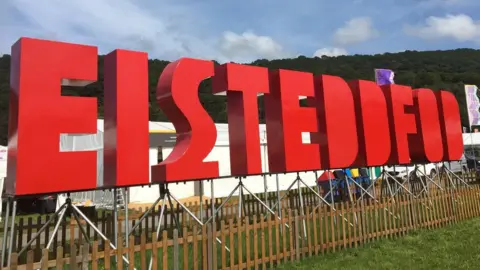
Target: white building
x=220, y=153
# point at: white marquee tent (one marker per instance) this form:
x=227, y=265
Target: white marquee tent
x=220, y=153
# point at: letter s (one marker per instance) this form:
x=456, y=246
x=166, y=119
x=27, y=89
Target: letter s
x=177, y=96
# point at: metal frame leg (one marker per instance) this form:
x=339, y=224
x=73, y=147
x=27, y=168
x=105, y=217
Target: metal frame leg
x=332, y=199
x=212, y=198
x=363, y=190
x=400, y=186
x=57, y=226
x=5, y=232
x=387, y=182
x=373, y=197
x=302, y=211
x=372, y=187
x=194, y=217
x=60, y=212
x=240, y=197
x=142, y=218
x=265, y=189
x=125, y=200
x=80, y=226
x=450, y=180
x=115, y=217
x=177, y=223
x=457, y=177
x=260, y=201
x=164, y=203
x=12, y=229
x=430, y=178
x=37, y=235
x=63, y=210
x=283, y=196
x=90, y=223
x=201, y=200
x=216, y=210
x=277, y=180
x=332, y=207
x=424, y=185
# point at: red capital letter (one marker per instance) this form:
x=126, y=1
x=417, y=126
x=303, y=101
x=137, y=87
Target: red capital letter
x=372, y=122
x=243, y=83
x=337, y=130
x=426, y=145
x=401, y=123
x=286, y=121
x=177, y=95
x=126, y=119
x=39, y=114
x=451, y=125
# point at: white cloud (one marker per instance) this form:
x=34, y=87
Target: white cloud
x=330, y=52
x=355, y=31
x=165, y=29
x=442, y=3
x=460, y=27
x=248, y=45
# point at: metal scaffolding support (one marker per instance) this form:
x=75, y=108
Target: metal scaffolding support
x=68, y=206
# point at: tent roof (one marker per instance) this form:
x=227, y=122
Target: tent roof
x=326, y=175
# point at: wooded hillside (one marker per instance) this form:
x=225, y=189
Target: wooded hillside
x=448, y=70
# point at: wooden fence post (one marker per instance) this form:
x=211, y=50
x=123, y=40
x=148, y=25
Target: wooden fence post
x=14, y=261
x=85, y=254
x=175, y=249
x=209, y=247
x=297, y=237
x=73, y=257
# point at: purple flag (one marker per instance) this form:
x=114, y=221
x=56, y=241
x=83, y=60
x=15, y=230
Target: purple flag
x=473, y=104
x=384, y=76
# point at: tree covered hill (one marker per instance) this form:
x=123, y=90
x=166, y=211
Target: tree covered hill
x=448, y=70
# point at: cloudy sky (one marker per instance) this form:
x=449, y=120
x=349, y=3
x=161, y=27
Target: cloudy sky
x=242, y=31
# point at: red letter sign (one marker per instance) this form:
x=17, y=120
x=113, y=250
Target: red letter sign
x=286, y=121
x=359, y=124
x=401, y=123
x=337, y=130
x=243, y=83
x=372, y=122
x=177, y=95
x=126, y=119
x=426, y=146
x=39, y=114
x=451, y=125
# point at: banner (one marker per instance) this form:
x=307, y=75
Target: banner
x=473, y=105
x=384, y=76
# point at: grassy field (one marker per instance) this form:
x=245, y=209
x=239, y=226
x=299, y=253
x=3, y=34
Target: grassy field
x=452, y=247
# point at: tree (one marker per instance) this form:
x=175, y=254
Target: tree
x=446, y=70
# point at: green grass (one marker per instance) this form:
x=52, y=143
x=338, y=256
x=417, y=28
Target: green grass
x=451, y=247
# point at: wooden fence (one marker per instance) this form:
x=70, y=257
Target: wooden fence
x=26, y=228
x=254, y=241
